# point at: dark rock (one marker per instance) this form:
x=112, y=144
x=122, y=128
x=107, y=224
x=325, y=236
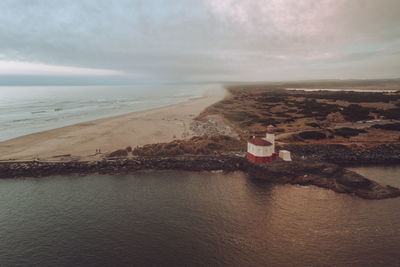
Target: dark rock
x=353, y=179
x=303, y=172
x=118, y=153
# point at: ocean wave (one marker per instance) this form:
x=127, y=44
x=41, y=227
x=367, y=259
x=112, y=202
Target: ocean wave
x=49, y=109
x=21, y=120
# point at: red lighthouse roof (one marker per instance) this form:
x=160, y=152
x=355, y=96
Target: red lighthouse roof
x=259, y=142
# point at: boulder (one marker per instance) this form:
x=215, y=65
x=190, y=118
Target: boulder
x=118, y=153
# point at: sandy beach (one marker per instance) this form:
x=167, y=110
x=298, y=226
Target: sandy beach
x=81, y=141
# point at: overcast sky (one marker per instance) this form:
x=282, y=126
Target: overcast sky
x=201, y=40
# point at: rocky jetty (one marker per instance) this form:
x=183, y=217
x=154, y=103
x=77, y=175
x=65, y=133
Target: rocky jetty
x=121, y=165
x=326, y=175
x=340, y=154
x=322, y=174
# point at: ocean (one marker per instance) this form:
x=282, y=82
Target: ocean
x=30, y=109
x=194, y=219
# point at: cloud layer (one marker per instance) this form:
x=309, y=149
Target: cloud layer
x=208, y=40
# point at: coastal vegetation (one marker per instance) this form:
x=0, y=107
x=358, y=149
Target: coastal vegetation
x=118, y=153
x=198, y=145
x=312, y=135
x=347, y=132
x=388, y=127
x=321, y=116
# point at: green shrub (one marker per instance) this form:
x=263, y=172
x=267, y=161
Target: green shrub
x=268, y=122
x=350, y=96
x=282, y=114
x=118, y=153
x=393, y=113
x=289, y=120
x=389, y=127
x=313, y=124
x=270, y=99
x=214, y=146
x=348, y=132
x=356, y=112
x=312, y=108
x=246, y=124
x=240, y=116
x=312, y=135
x=196, y=145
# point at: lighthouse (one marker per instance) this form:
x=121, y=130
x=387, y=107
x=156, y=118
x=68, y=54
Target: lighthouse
x=262, y=150
x=270, y=136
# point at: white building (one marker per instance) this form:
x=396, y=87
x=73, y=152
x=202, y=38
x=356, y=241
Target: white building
x=262, y=150
x=285, y=155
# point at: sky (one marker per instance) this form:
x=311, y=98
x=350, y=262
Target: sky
x=198, y=40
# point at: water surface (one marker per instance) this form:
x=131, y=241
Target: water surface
x=30, y=109
x=184, y=218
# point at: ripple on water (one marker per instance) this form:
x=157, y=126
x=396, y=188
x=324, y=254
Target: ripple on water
x=184, y=218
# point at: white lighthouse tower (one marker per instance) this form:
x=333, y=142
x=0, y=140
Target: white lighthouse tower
x=270, y=137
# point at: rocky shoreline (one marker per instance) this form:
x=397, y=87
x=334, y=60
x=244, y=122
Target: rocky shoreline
x=344, y=155
x=322, y=174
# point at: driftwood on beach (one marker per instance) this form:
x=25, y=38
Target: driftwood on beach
x=322, y=174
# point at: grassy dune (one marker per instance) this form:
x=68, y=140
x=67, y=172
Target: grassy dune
x=250, y=108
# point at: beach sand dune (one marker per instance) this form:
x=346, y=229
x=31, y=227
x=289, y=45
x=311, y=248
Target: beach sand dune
x=134, y=129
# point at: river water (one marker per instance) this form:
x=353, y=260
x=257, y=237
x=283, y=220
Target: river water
x=186, y=218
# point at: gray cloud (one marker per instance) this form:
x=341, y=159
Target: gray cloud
x=209, y=39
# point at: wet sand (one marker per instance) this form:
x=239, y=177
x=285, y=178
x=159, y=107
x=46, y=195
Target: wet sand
x=134, y=129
